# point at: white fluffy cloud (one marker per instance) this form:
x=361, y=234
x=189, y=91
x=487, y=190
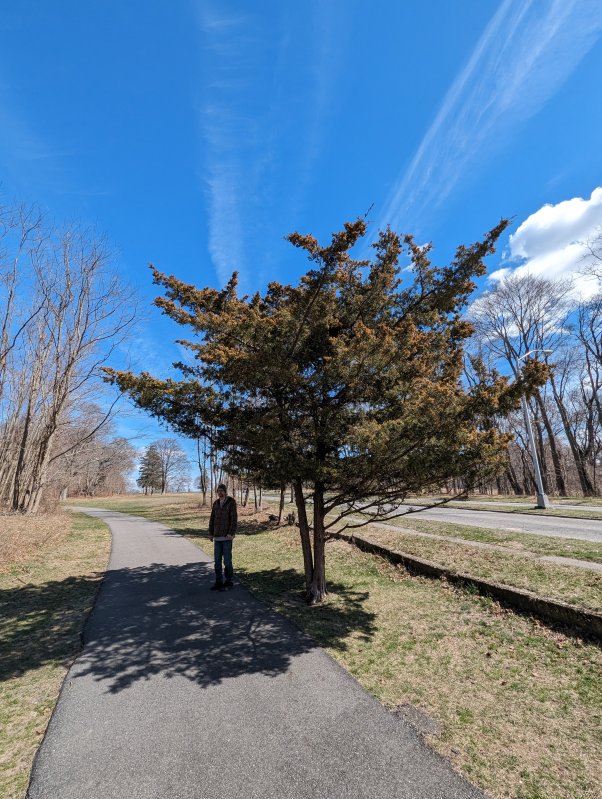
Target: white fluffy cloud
x=551, y=242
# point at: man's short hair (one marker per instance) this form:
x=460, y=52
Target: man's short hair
x=223, y=487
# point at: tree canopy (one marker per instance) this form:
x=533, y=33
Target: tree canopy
x=348, y=385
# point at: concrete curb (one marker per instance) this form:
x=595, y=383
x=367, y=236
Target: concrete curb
x=551, y=611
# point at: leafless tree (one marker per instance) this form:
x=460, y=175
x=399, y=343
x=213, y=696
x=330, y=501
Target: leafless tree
x=94, y=461
x=174, y=463
x=63, y=312
x=525, y=313
x=592, y=261
x=521, y=314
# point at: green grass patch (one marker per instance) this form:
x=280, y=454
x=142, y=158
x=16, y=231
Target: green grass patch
x=513, y=500
x=572, y=513
x=47, y=588
x=576, y=586
x=517, y=703
x=516, y=542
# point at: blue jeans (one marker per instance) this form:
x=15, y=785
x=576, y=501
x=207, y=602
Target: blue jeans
x=223, y=549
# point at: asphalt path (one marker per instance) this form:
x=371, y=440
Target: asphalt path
x=554, y=526
x=553, y=505
x=183, y=692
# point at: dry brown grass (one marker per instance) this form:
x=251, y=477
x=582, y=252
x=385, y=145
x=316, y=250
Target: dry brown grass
x=50, y=570
x=22, y=537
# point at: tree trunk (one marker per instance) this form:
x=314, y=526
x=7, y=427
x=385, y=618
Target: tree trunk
x=17, y=499
x=40, y=474
x=281, y=506
x=560, y=484
x=528, y=477
x=318, y=583
x=202, y=461
x=308, y=562
x=513, y=479
x=580, y=460
x=541, y=454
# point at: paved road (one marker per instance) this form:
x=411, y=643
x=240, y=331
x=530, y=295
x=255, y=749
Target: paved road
x=554, y=505
x=185, y=693
x=555, y=526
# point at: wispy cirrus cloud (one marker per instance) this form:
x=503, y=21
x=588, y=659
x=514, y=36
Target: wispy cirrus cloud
x=262, y=146
x=226, y=41
x=526, y=52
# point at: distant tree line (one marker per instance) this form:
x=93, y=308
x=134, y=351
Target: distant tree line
x=62, y=314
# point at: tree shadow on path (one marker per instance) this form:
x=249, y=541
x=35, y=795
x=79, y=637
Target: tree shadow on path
x=162, y=620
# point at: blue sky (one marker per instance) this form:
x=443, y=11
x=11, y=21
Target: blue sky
x=198, y=134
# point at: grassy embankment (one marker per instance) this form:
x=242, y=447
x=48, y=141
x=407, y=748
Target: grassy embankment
x=515, y=542
x=50, y=570
x=515, y=567
x=517, y=703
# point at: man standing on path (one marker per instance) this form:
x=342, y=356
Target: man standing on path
x=222, y=529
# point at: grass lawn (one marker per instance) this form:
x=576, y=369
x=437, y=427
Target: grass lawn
x=588, y=501
x=517, y=703
x=529, y=509
x=50, y=570
x=573, y=585
x=516, y=542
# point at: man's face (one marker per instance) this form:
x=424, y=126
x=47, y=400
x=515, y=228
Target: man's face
x=221, y=493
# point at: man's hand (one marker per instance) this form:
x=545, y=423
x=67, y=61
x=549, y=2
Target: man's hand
x=229, y=538
x=211, y=538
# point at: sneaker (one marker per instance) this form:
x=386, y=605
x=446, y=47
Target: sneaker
x=229, y=584
x=217, y=587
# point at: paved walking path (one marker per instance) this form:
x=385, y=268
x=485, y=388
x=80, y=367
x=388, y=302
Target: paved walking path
x=182, y=692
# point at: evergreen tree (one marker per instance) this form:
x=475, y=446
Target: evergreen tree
x=150, y=473
x=348, y=385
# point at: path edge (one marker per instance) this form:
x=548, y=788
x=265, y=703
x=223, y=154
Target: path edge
x=587, y=624
x=82, y=641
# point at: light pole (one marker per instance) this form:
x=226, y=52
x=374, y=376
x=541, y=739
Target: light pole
x=542, y=499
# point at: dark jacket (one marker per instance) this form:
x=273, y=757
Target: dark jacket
x=223, y=520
